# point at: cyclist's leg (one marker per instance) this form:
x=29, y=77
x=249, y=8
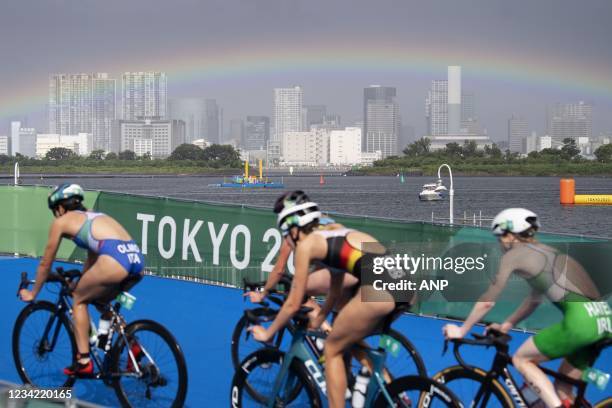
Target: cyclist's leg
x=355, y=321
x=526, y=360
x=98, y=282
x=564, y=389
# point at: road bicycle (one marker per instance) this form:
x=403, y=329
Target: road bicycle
x=141, y=360
x=497, y=387
x=296, y=379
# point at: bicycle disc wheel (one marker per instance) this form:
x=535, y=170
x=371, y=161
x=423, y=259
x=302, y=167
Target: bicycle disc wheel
x=413, y=391
x=162, y=381
x=43, y=344
x=467, y=384
x=261, y=369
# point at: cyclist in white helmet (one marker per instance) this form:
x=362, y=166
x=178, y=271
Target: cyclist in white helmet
x=112, y=257
x=341, y=250
x=566, y=284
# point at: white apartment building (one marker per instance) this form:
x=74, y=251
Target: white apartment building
x=544, y=142
x=286, y=115
x=201, y=143
x=145, y=95
x=4, y=145
x=345, y=146
x=163, y=134
x=306, y=148
x=518, y=130
x=81, y=144
x=142, y=146
x=368, y=158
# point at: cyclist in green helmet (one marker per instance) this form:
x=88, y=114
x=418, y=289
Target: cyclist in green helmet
x=566, y=284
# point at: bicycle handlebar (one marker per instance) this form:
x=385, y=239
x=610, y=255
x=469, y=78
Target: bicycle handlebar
x=285, y=282
x=60, y=276
x=493, y=338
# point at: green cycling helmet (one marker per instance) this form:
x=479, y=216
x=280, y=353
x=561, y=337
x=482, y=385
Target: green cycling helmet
x=64, y=192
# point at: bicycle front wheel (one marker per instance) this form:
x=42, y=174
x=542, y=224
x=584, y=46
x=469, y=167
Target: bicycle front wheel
x=260, y=370
x=150, y=370
x=473, y=388
x=414, y=391
x=43, y=344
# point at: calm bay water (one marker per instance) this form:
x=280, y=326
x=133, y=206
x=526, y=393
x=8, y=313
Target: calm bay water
x=387, y=197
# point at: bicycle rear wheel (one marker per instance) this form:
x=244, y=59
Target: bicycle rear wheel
x=472, y=389
x=606, y=403
x=43, y=344
x=163, y=372
x=414, y=391
x=405, y=361
x=260, y=370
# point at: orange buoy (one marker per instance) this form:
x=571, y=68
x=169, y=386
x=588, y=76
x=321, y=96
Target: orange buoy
x=567, y=191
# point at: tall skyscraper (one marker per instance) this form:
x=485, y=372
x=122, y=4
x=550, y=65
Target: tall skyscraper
x=287, y=111
x=518, y=129
x=454, y=100
x=192, y=111
x=214, y=121
x=82, y=103
x=436, y=106
x=144, y=95
x=257, y=132
x=381, y=120
x=571, y=120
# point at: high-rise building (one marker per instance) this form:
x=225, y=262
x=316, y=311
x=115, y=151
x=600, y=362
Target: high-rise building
x=236, y=132
x=144, y=95
x=287, y=111
x=345, y=146
x=313, y=115
x=192, y=111
x=380, y=120
x=214, y=120
x=518, y=129
x=436, y=107
x=257, y=132
x=571, y=120
x=82, y=103
x=454, y=100
x=23, y=140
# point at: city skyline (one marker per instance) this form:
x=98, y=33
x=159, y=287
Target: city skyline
x=511, y=58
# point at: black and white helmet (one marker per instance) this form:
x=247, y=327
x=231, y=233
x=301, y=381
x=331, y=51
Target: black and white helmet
x=295, y=209
x=516, y=221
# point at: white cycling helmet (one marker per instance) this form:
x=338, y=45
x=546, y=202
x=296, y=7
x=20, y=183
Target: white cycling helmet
x=295, y=210
x=515, y=220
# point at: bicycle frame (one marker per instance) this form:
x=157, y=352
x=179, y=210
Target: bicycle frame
x=299, y=350
x=499, y=371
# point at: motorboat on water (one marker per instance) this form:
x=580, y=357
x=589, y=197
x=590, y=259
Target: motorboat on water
x=433, y=192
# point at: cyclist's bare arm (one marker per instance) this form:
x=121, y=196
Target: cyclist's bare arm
x=525, y=309
x=275, y=275
x=56, y=233
x=485, y=303
x=334, y=294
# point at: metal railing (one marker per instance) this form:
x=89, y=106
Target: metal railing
x=475, y=219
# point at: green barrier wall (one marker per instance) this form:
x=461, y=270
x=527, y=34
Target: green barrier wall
x=221, y=244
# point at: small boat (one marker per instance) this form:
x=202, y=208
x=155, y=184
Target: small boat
x=246, y=181
x=432, y=192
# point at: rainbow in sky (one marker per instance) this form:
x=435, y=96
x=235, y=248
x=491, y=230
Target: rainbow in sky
x=585, y=79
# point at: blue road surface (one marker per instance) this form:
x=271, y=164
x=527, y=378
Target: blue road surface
x=202, y=318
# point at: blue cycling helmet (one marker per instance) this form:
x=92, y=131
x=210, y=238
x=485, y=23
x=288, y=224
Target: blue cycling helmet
x=65, y=192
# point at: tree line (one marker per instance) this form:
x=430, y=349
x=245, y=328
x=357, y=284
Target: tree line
x=213, y=156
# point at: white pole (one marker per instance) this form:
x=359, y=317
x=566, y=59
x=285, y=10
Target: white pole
x=451, y=192
x=16, y=173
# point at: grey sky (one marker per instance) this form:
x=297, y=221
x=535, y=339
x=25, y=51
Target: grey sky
x=38, y=37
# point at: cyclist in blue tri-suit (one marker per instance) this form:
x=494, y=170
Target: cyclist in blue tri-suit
x=112, y=256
